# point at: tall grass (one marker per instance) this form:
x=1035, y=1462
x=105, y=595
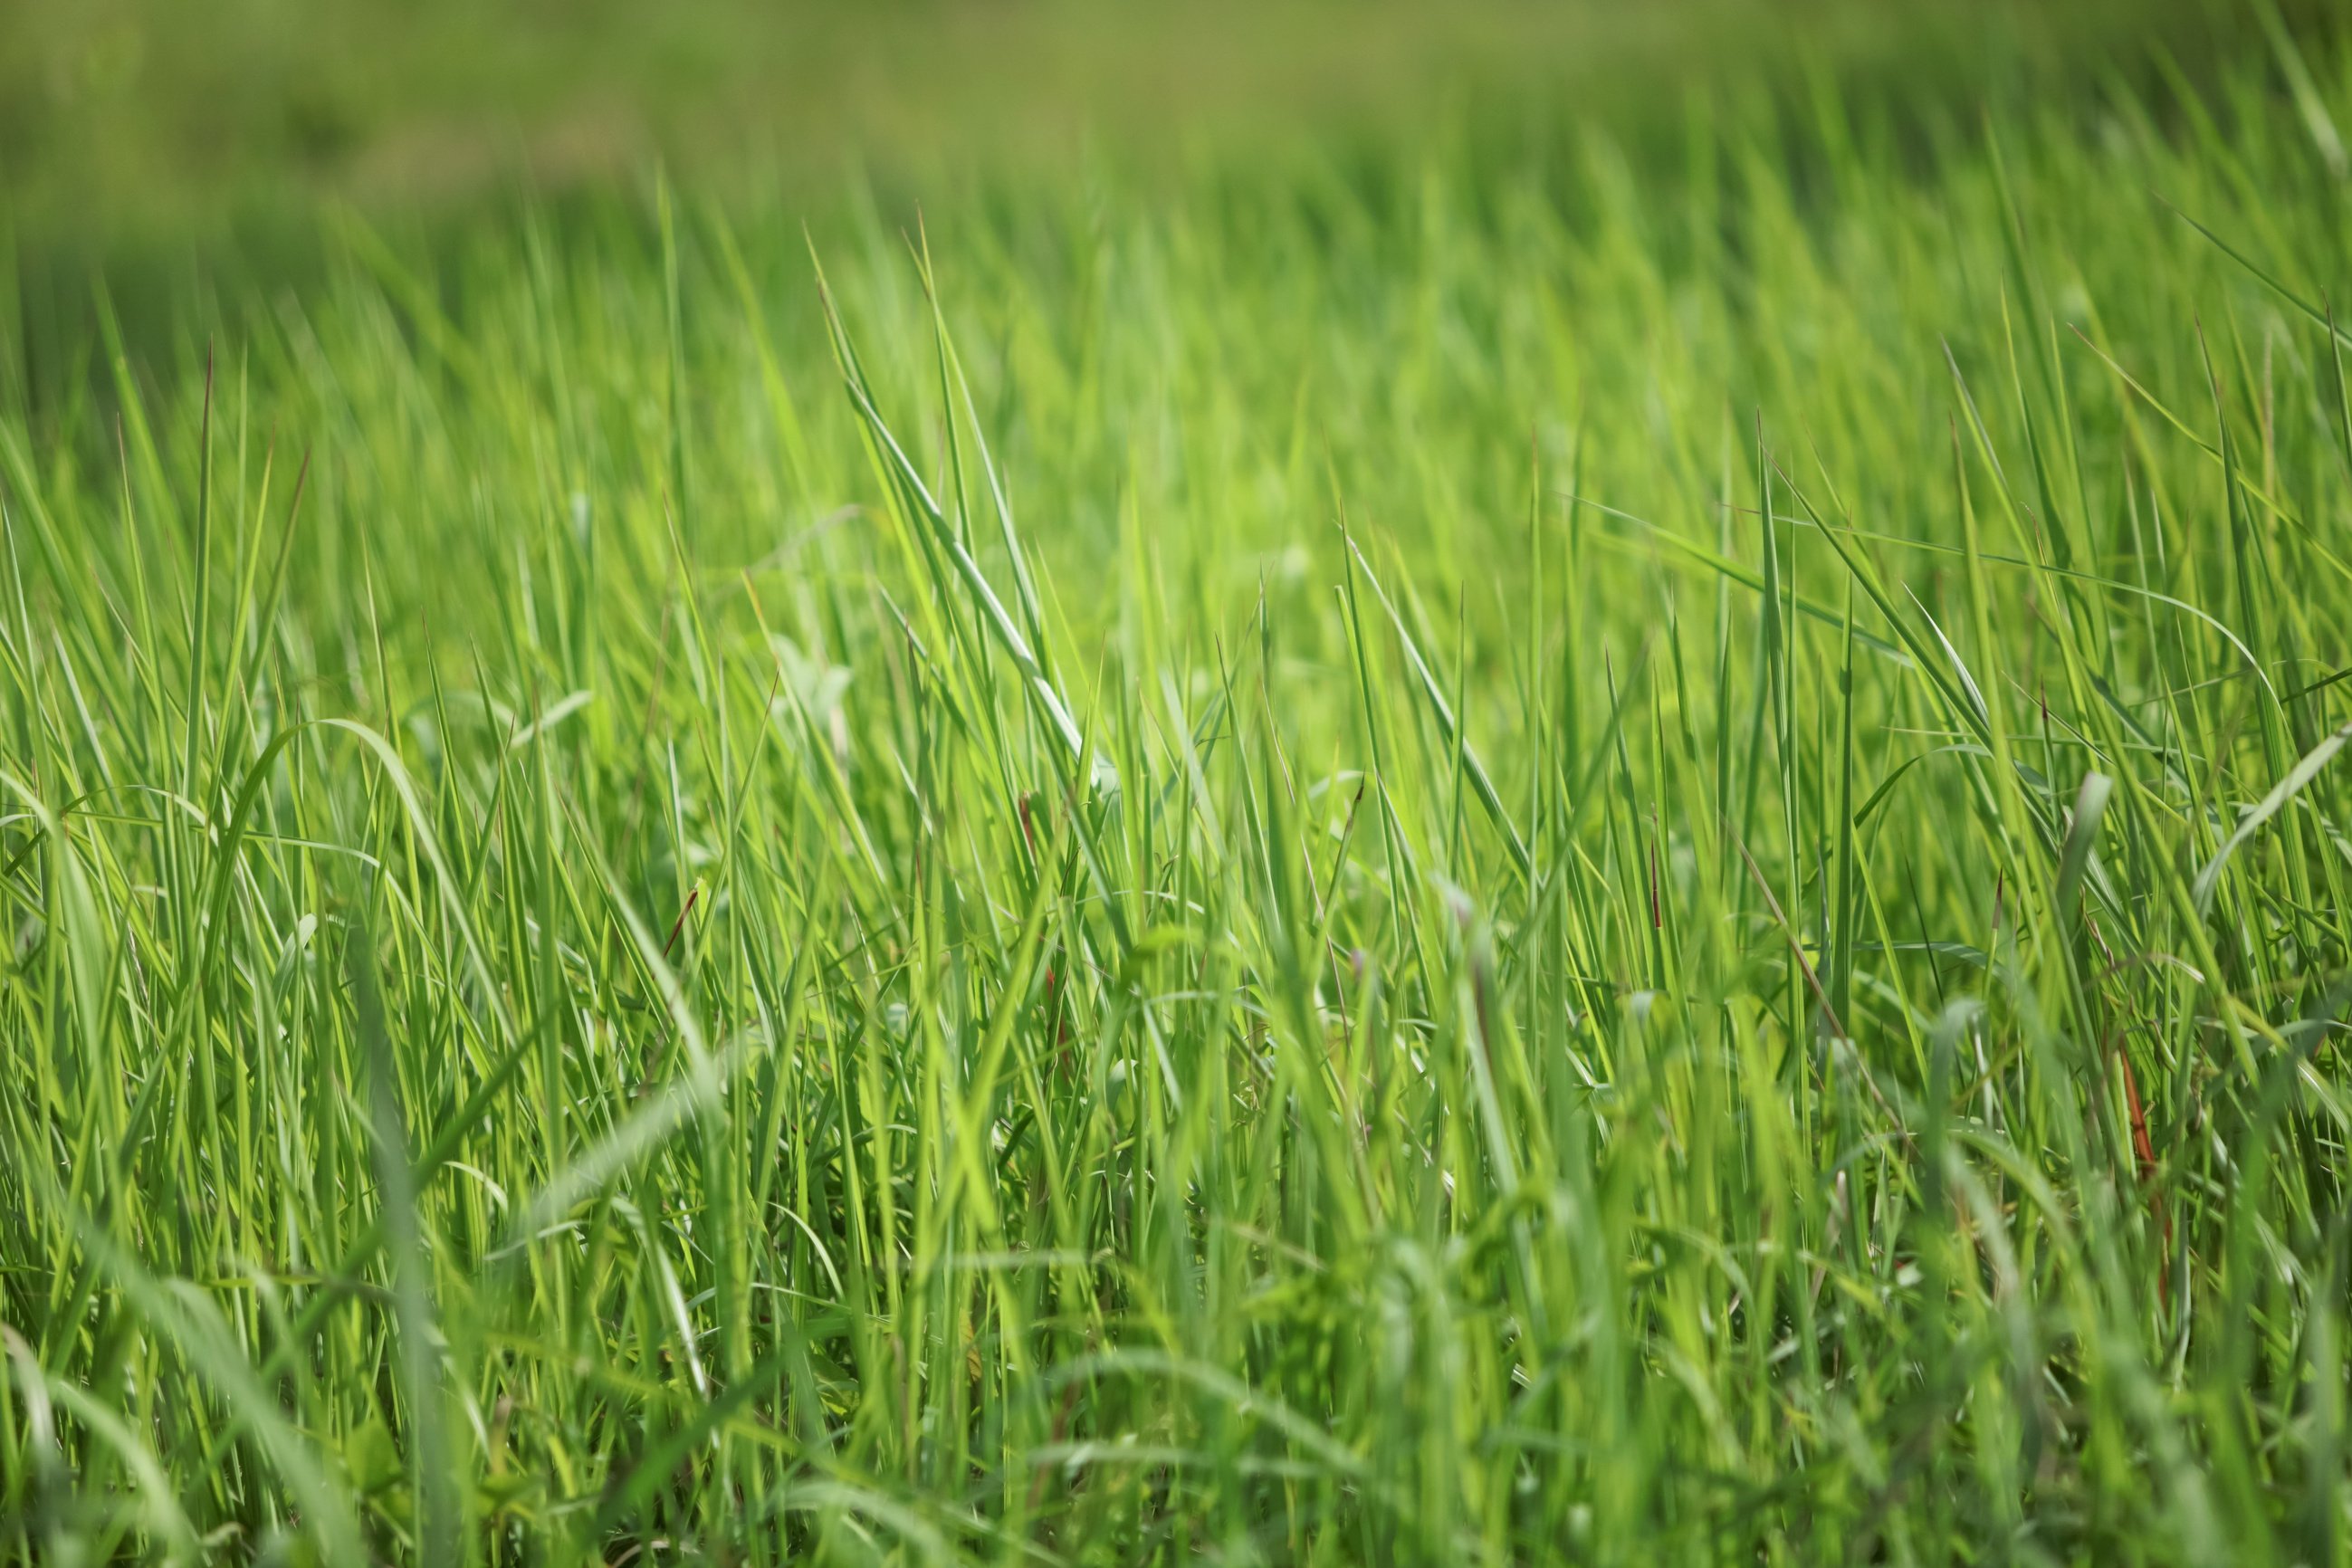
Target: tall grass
x=1463, y=860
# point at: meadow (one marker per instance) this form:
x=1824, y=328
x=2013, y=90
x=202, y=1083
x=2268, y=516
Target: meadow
x=1546, y=842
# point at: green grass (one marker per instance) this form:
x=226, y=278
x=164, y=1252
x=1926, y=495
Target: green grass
x=144, y=119
x=1514, y=852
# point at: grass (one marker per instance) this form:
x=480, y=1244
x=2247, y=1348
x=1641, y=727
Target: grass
x=1495, y=855
x=146, y=120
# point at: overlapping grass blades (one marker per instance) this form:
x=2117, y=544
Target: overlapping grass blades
x=1623, y=868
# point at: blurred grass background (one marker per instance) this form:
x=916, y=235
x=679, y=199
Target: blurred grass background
x=134, y=123
x=167, y=154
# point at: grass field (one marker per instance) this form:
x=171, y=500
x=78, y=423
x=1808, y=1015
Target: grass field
x=1593, y=844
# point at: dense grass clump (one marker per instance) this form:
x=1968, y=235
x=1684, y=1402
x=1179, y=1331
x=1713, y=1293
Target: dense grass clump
x=1473, y=857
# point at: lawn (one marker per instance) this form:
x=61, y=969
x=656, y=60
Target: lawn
x=1527, y=832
